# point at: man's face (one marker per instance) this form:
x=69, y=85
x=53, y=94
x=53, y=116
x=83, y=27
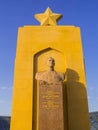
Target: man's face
x=50, y=62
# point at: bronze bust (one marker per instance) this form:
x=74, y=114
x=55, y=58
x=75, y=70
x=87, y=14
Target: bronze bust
x=50, y=75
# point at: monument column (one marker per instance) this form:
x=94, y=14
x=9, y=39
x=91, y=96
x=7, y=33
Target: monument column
x=31, y=101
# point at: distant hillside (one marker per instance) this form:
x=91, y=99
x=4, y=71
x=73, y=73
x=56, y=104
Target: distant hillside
x=5, y=121
x=94, y=120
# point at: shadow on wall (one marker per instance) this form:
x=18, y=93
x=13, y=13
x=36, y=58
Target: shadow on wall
x=75, y=95
x=77, y=89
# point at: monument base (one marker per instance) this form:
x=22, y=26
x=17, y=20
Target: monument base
x=50, y=106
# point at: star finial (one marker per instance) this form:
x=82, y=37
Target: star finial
x=48, y=17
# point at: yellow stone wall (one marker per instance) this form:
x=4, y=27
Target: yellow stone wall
x=34, y=45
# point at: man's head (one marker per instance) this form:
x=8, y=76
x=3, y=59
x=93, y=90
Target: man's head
x=50, y=62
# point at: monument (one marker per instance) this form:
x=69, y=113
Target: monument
x=50, y=97
x=49, y=78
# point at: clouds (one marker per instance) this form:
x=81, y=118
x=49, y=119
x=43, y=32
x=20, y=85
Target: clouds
x=2, y=101
x=92, y=93
x=5, y=88
x=5, y=100
x=92, y=98
x=91, y=88
x=5, y=94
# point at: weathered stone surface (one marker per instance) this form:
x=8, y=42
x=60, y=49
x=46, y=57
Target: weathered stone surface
x=50, y=106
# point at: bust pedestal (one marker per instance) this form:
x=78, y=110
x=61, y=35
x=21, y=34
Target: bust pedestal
x=50, y=106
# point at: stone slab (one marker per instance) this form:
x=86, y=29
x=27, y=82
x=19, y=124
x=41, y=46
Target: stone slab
x=50, y=106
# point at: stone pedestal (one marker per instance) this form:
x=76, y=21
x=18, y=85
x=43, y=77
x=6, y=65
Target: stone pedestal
x=50, y=106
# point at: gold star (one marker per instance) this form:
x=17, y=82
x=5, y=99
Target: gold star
x=48, y=18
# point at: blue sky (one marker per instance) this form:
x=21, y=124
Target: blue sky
x=17, y=13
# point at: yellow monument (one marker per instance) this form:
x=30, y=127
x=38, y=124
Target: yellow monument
x=62, y=45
